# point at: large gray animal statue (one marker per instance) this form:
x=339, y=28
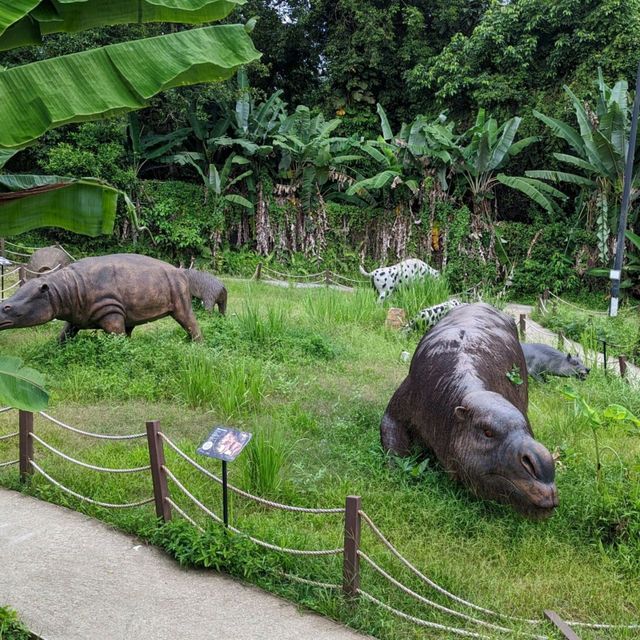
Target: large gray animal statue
x=45, y=260
x=114, y=293
x=459, y=402
x=208, y=288
x=543, y=359
x=386, y=279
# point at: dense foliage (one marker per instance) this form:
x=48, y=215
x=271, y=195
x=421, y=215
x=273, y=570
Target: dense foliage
x=307, y=151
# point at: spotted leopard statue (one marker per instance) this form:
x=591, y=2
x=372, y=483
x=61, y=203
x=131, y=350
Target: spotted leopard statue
x=430, y=316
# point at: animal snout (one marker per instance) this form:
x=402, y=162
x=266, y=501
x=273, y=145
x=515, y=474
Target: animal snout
x=538, y=463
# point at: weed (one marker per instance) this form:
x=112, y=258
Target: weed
x=265, y=459
x=11, y=628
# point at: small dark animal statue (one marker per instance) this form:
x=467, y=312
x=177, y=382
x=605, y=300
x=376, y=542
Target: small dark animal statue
x=543, y=359
x=114, y=292
x=458, y=401
x=45, y=260
x=208, y=288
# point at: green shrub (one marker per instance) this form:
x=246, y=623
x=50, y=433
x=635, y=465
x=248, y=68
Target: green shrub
x=264, y=461
x=10, y=626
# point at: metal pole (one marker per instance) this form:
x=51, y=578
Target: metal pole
x=2, y=295
x=616, y=272
x=604, y=352
x=225, y=495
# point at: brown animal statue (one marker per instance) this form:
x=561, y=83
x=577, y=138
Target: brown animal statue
x=208, y=288
x=114, y=293
x=462, y=400
x=45, y=260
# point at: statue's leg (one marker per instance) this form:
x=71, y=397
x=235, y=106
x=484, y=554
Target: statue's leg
x=394, y=427
x=113, y=323
x=184, y=316
x=129, y=330
x=222, y=302
x=68, y=331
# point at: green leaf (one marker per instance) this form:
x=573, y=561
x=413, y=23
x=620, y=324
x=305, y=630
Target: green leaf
x=86, y=206
x=576, y=162
x=376, y=182
x=634, y=238
x=13, y=10
x=114, y=79
x=6, y=155
x=71, y=16
x=21, y=387
x=501, y=150
x=236, y=199
x=561, y=176
x=387, y=134
x=529, y=188
x=563, y=130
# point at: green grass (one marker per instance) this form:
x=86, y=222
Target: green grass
x=309, y=372
x=11, y=628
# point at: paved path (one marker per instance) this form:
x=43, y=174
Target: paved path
x=537, y=333
x=71, y=577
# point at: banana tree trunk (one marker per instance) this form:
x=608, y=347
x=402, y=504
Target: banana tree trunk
x=264, y=234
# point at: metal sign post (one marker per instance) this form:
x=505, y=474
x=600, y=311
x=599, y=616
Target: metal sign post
x=616, y=273
x=224, y=444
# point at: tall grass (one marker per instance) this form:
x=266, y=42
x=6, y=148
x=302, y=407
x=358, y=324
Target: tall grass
x=330, y=306
x=264, y=461
x=232, y=386
x=265, y=327
x=420, y=294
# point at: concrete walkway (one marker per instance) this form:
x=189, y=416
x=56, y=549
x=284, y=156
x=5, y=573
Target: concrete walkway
x=71, y=577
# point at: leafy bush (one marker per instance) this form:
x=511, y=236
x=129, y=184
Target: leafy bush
x=10, y=626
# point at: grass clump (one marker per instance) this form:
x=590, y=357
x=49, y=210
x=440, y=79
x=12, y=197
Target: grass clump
x=420, y=294
x=11, y=628
x=232, y=387
x=264, y=461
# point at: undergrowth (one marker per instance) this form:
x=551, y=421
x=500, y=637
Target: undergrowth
x=311, y=386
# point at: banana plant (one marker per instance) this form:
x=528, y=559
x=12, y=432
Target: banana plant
x=598, y=149
x=420, y=149
x=309, y=153
x=114, y=79
x=486, y=148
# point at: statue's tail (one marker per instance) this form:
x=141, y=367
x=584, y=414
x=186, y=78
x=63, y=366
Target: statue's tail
x=363, y=272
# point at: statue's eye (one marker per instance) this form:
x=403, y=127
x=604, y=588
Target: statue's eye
x=7, y=307
x=488, y=433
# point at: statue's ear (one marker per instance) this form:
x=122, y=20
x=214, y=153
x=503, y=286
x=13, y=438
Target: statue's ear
x=461, y=413
x=568, y=356
x=44, y=287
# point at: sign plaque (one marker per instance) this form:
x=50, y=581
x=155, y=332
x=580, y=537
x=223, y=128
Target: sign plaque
x=224, y=444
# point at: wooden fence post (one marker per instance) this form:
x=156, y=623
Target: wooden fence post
x=258, y=272
x=523, y=327
x=622, y=361
x=327, y=276
x=561, y=625
x=158, y=475
x=22, y=275
x=2, y=247
x=25, y=421
x=351, y=559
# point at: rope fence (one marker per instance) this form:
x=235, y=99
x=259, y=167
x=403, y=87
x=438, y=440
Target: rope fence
x=352, y=553
x=246, y=494
x=71, y=492
x=101, y=436
x=85, y=464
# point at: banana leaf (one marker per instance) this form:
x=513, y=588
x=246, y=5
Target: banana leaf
x=529, y=187
x=114, y=79
x=21, y=387
x=563, y=130
x=86, y=206
x=501, y=150
x=561, y=176
x=70, y=16
x=387, y=134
